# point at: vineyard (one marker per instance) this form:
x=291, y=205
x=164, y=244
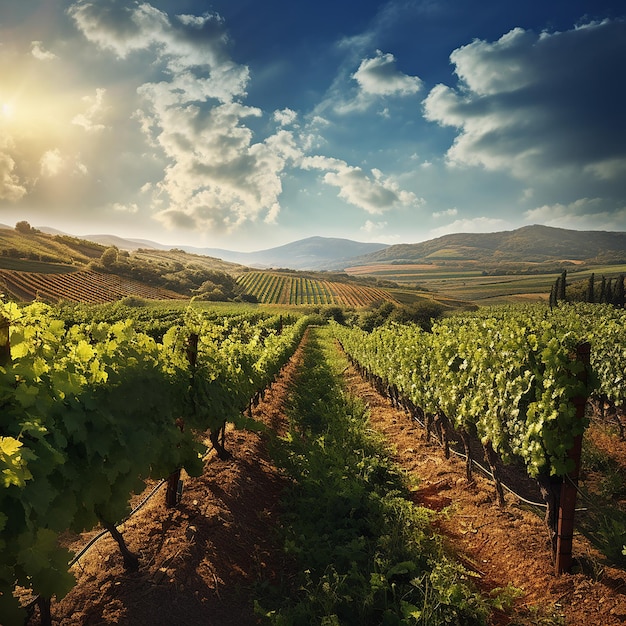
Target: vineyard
x=93, y=409
x=271, y=288
x=82, y=286
x=517, y=380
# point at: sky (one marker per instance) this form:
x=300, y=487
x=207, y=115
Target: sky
x=246, y=125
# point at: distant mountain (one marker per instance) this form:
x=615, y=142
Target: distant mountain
x=529, y=244
x=313, y=253
x=51, y=231
x=124, y=243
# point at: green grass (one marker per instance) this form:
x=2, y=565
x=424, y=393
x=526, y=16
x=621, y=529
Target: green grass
x=365, y=553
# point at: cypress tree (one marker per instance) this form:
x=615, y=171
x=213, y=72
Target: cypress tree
x=562, y=283
x=618, y=298
x=602, y=297
x=590, y=288
x=553, y=294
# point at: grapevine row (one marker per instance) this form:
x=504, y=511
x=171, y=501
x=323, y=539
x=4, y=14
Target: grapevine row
x=272, y=288
x=89, y=412
x=83, y=286
x=506, y=375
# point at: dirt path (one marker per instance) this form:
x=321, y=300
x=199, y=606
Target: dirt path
x=198, y=561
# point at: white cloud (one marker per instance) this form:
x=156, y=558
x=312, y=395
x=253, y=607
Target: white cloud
x=52, y=163
x=447, y=213
x=379, y=76
x=216, y=177
x=374, y=193
x=11, y=188
x=121, y=27
x=538, y=106
x=285, y=117
x=88, y=119
x=39, y=53
x=474, y=225
x=582, y=214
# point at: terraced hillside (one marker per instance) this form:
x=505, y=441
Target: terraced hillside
x=274, y=288
x=82, y=286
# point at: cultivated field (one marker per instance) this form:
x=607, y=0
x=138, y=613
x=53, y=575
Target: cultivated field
x=83, y=286
x=271, y=288
x=472, y=284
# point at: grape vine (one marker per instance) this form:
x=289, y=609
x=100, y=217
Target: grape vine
x=89, y=411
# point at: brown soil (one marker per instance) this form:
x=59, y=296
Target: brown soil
x=198, y=561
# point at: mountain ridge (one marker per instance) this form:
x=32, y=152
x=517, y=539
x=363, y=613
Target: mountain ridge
x=310, y=253
x=529, y=244
x=534, y=244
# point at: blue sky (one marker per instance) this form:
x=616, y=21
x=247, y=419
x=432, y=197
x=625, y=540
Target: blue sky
x=244, y=125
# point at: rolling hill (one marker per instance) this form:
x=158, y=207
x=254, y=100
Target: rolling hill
x=526, y=245
x=312, y=253
x=521, y=247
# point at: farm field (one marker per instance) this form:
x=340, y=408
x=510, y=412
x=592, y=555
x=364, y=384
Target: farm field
x=468, y=284
x=274, y=288
x=83, y=286
x=206, y=560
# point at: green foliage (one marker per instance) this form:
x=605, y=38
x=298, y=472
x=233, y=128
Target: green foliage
x=191, y=278
x=505, y=373
x=368, y=556
x=91, y=409
x=423, y=313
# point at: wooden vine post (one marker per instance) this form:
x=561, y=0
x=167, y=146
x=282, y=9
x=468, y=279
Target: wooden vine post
x=174, y=491
x=569, y=486
x=5, y=346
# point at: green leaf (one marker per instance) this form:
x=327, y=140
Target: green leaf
x=46, y=563
x=13, y=462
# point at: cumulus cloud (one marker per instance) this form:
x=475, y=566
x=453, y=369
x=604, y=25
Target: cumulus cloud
x=474, y=225
x=38, y=51
x=538, y=105
x=374, y=193
x=52, y=163
x=125, y=27
x=379, y=76
x=582, y=214
x=89, y=119
x=285, y=117
x=216, y=176
x=11, y=188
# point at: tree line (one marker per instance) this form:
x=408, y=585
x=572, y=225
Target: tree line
x=605, y=291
